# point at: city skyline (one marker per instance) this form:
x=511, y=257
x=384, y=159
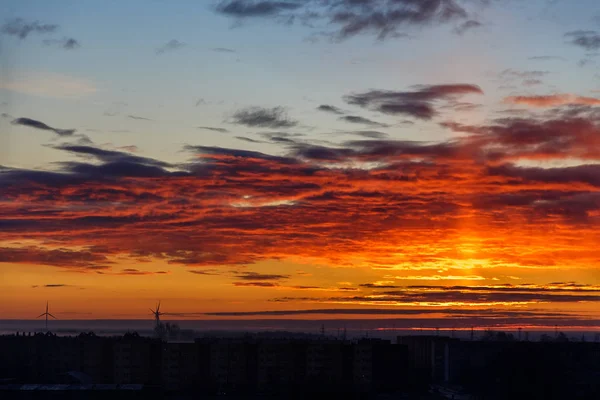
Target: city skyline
x=304, y=159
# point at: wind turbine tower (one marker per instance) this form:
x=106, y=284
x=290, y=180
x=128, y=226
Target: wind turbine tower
x=46, y=314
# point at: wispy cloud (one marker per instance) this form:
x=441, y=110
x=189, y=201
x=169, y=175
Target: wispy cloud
x=64, y=258
x=457, y=312
x=20, y=28
x=138, y=118
x=254, y=276
x=258, y=117
x=210, y=128
x=249, y=140
x=223, y=50
x=588, y=40
x=255, y=284
x=243, y=9
x=553, y=100
x=65, y=43
x=382, y=19
x=171, y=45
x=547, y=58
x=209, y=272
x=441, y=278
x=418, y=103
x=32, y=123
x=467, y=26
x=52, y=285
x=354, y=119
x=330, y=109
x=137, y=272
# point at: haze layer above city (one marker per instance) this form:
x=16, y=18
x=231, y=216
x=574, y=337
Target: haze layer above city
x=435, y=162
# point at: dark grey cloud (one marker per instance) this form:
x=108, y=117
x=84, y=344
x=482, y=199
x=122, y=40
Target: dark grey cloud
x=284, y=138
x=83, y=140
x=138, y=118
x=254, y=276
x=257, y=284
x=369, y=134
x=210, y=128
x=224, y=151
x=111, y=156
x=547, y=58
x=380, y=18
x=322, y=153
x=52, y=285
x=258, y=117
x=589, y=40
x=441, y=295
x=330, y=109
x=419, y=103
x=209, y=272
x=137, y=272
x=384, y=18
x=249, y=140
x=589, y=173
x=65, y=43
x=380, y=311
x=171, y=45
x=63, y=258
x=251, y=8
x=556, y=287
x=32, y=123
x=21, y=28
x=113, y=164
x=354, y=119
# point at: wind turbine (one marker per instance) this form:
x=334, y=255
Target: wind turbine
x=156, y=312
x=47, y=314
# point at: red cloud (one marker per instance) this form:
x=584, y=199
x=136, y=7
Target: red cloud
x=371, y=203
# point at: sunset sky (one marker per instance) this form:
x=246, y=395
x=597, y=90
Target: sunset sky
x=410, y=159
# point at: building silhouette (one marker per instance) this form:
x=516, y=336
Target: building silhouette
x=288, y=366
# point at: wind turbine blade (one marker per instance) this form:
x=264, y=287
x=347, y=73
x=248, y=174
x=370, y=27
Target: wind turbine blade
x=152, y=311
x=52, y=316
x=158, y=307
x=41, y=315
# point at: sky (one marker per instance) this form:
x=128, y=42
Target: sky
x=424, y=160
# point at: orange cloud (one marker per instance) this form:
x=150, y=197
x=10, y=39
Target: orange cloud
x=441, y=278
x=553, y=100
x=470, y=208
